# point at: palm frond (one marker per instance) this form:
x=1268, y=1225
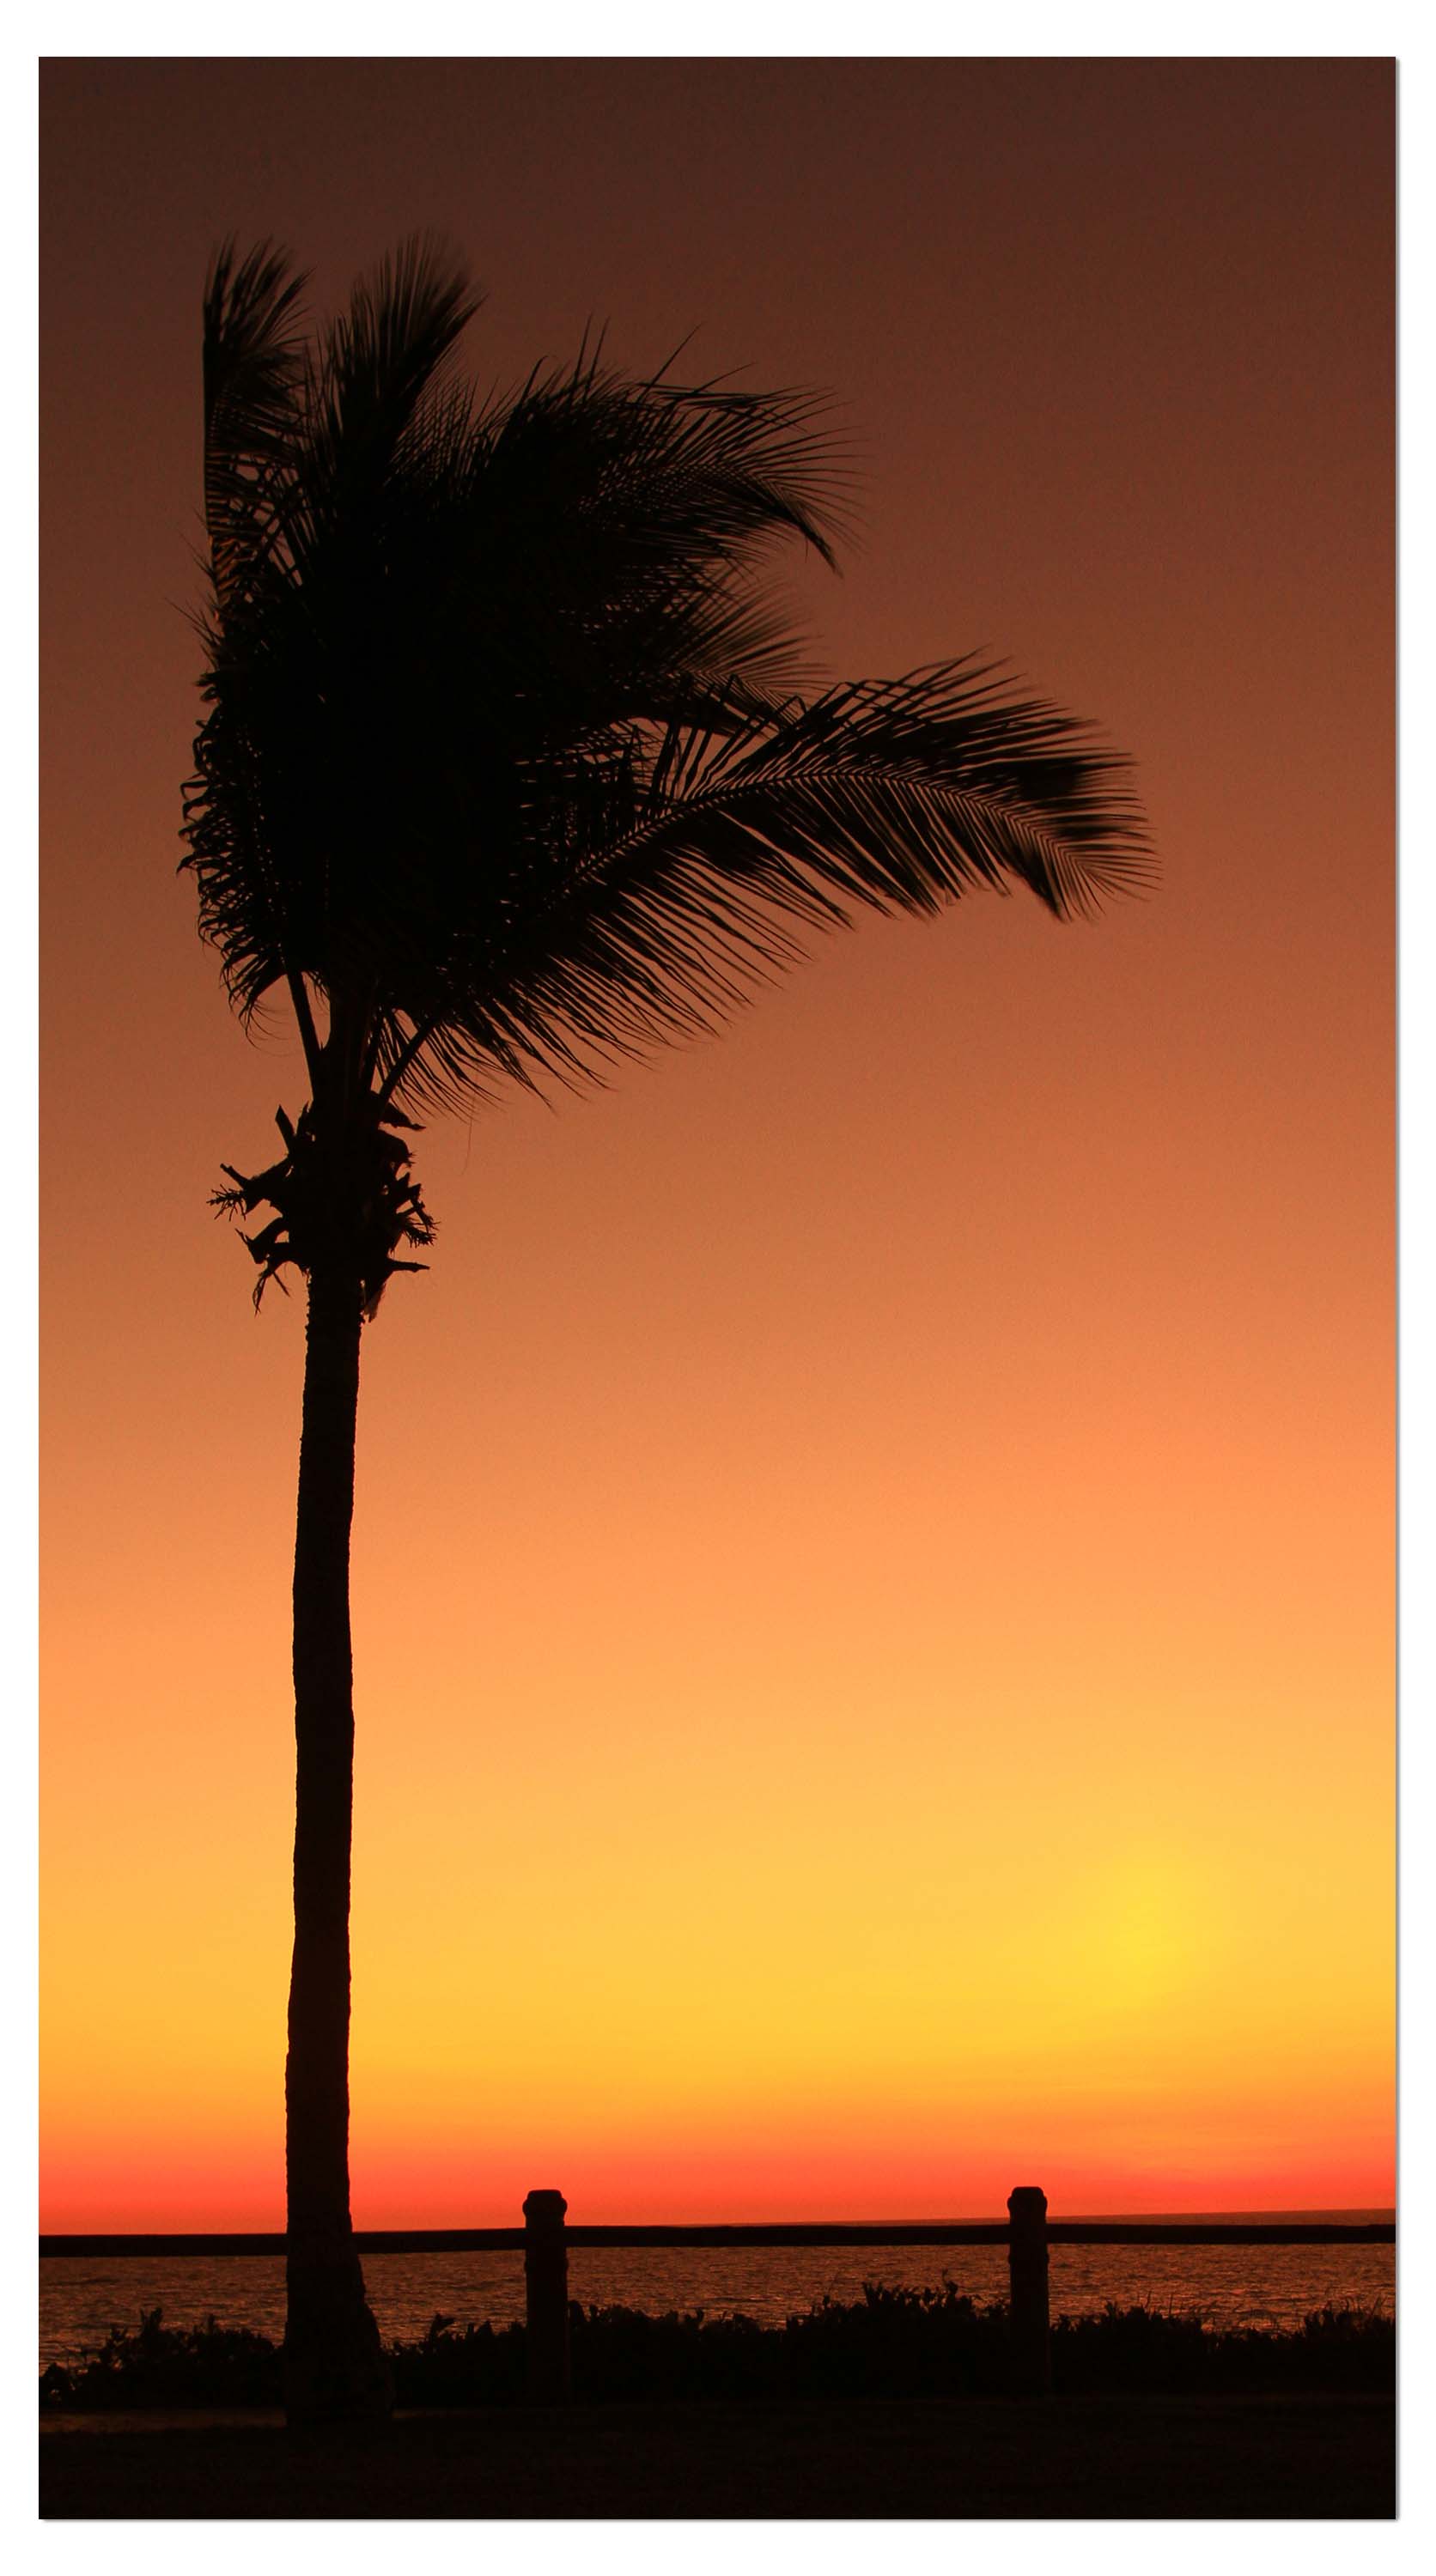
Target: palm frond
x=894, y=796
x=378, y=370
x=622, y=528
x=253, y=364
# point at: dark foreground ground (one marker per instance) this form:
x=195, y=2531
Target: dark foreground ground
x=935, y=2458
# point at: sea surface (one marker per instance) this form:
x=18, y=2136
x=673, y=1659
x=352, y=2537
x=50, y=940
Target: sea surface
x=82, y=2297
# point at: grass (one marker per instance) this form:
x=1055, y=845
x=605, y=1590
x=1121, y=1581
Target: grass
x=1141, y=2457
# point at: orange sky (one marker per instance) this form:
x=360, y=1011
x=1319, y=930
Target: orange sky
x=873, y=1561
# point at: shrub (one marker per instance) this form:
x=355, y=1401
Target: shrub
x=890, y=2343
x=160, y=2365
x=481, y=2366
x=1348, y=2349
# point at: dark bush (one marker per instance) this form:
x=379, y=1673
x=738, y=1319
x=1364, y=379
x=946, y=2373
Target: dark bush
x=619, y=2352
x=891, y=2343
x=481, y=2366
x=1336, y=2349
x=898, y=2343
x=160, y=2365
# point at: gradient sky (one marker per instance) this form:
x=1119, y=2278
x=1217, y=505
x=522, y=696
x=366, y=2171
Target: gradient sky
x=873, y=1563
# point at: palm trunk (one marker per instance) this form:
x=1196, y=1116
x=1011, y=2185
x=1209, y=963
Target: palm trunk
x=334, y=2369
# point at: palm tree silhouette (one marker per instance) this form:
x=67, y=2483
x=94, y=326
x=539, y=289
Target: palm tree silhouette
x=507, y=772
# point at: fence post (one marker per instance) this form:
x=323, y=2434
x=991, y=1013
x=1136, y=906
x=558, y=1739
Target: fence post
x=1027, y=2275
x=546, y=2283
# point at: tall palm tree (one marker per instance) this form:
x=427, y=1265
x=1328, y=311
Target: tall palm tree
x=506, y=772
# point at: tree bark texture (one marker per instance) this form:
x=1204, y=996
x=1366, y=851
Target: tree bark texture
x=334, y=2367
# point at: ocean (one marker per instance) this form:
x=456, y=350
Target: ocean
x=81, y=2297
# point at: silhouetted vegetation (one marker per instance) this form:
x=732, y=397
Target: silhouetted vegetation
x=894, y=2342
x=160, y=2365
x=509, y=774
x=1349, y=2349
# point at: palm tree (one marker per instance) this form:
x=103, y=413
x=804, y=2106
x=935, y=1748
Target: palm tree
x=507, y=772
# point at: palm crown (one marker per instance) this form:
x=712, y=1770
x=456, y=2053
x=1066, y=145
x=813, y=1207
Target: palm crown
x=504, y=757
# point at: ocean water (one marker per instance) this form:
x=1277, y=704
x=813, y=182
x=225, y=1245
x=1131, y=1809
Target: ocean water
x=82, y=2297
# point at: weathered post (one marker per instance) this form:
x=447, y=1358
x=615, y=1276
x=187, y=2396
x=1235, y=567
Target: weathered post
x=1027, y=2275
x=546, y=2284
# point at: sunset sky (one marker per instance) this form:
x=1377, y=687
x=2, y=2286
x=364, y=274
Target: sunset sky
x=873, y=1564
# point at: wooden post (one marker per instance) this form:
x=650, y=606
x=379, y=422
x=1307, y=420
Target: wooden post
x=1027, y=2274
x=546, y=2282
